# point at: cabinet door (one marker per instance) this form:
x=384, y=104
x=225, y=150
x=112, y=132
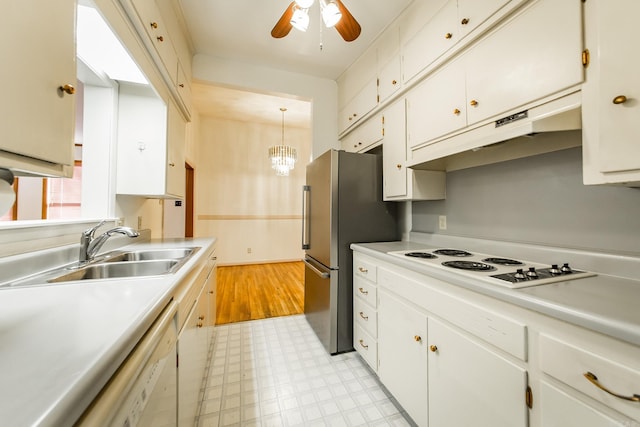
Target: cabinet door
x=466, y=374
x=394, y=151
x=39, y=57
x=559, y=409
x=435, y=38
x=365, y=101
x=389, y=78
x=176, y=137
x=437, y=106
x=402, y=354
x=533, y=55
x=617, y=47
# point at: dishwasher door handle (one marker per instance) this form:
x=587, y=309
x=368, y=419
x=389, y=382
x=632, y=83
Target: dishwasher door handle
x=323, y=274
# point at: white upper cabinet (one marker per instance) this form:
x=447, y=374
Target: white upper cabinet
x=365, y=101
x=39, y=71
x=611, y=94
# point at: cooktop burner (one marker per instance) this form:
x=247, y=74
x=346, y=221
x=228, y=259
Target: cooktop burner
x=452, y=252
x=502, y=261
x=425, y=255
x=469, y=265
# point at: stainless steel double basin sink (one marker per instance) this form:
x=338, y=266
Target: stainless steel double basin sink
x=116, y=264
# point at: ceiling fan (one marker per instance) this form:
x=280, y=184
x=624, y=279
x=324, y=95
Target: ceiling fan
x=334, y=14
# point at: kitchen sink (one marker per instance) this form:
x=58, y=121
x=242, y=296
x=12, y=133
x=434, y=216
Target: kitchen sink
x=115, y=264
x=111, y=270
x=151, y=254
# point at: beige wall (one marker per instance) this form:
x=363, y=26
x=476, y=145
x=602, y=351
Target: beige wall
x=238, y=197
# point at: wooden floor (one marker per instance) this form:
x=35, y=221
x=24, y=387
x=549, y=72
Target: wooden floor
x=250, y=292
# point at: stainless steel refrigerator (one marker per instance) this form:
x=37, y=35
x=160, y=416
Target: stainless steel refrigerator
x=342, y=204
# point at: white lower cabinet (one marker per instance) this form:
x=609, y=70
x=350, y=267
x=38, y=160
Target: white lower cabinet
x=365, y=315
x=402, y=354
x=561, y=409
x=463, y=372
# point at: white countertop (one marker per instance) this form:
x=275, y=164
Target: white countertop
x=61, y=343
x=604, y=303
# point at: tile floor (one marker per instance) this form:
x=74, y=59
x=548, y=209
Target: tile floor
x=275, y=372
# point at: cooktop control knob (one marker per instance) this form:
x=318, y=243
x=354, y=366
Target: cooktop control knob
x=519, y=274
x=554, y=269
x=532, y=274
x=565, y=268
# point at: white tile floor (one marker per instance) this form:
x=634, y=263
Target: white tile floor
x=275, y=372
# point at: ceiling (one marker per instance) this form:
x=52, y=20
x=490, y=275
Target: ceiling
x=241, y=30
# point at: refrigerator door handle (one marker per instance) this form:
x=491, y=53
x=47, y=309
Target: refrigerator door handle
x=323, y=274
x=306, y=230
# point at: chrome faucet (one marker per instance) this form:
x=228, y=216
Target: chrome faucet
x=90, y=245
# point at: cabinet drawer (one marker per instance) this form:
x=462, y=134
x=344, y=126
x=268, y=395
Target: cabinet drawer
x=366, y=317
x=365, y=290
x=366, y=346
x=365, y=268
x=569, y=364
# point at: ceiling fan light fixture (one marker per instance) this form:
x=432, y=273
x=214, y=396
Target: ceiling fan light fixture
x=300, y=19
x=304, y=4
x=330, y=13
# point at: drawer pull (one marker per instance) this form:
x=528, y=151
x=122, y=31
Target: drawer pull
x=366, y=347
x=362, y=291
x=363, y=316
x=433, y=348
x=363, y=270
x=620, y=99
x=417, y=338
x=594, y=380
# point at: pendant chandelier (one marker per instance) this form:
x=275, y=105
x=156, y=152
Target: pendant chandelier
x=283, y=157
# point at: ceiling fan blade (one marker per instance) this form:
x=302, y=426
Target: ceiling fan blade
x=283, y=26
x=347, y=26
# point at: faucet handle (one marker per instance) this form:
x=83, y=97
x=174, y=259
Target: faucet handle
x=91, y=231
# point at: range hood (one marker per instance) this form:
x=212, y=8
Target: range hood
x=516, y=135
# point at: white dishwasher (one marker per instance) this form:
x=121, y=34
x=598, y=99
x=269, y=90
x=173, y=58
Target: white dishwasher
x=143, y=391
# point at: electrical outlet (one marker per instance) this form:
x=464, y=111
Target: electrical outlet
x=248, y=250
x=442, y=222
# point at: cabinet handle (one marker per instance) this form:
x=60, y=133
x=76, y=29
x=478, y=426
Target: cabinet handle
x=363, y=292
x=160, y=38
x=181, y=85
x=399, y=166
x=363, y=270
x=448, y=36
x=394, y=82
x=473, y=103
x=433, y=348
x=172, y=164
x=201, y=317
x=68, y=89
x=456, y=111
x=200, y=325
x=464, y=21
x=363, y=316
x=417, y=338
x=594, y=380
x=620, y=99
x=154, y=25
x=366, y=347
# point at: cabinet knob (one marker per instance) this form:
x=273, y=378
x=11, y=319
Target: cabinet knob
x=201, y=317
x=172, y=164
x=181, y=85
x=160, y=38
x=448, y=36
x=620, y=99
x=68, y=89
x=433, y=348
x=363, y=345
x=473, y=103
x=399, y=166
x=210, y=292
x=456, y=111
x=394, y=82
x=464, y=21
x=154, y=25
x=363, y=292
x=363, y=316
x=417, y=338
x=363, y=270
x=200, y=325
